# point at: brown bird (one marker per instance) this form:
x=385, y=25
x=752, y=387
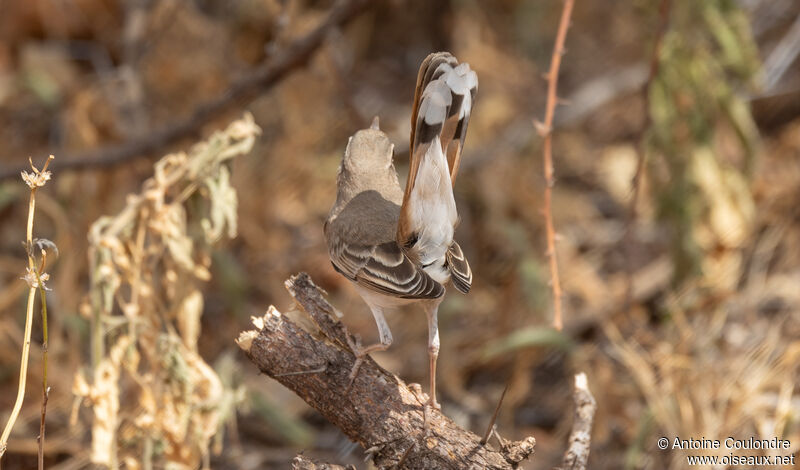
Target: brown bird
x=397, y=246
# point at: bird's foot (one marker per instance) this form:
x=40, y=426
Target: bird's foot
x=360, y=353
x=435, y=404
x=430, y=405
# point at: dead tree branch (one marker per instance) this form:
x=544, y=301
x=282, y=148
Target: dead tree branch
x=577, y=453
x=379, y=411
x=546, y=130
x=262, y=78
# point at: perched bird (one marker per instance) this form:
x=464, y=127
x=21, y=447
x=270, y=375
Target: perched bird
x=397, y=246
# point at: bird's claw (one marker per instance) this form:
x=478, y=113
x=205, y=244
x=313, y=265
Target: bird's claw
x=355, y=345
x=426, y=413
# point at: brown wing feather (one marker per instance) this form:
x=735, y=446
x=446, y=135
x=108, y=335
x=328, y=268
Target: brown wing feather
x=461, y=274
x=360, y=244
x=383, y=268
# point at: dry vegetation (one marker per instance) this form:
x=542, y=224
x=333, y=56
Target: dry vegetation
x=152, y=394
x=160, y=267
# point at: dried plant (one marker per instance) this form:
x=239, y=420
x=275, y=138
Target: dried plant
x=35, y=277
x=147, y=266
x=701, y=186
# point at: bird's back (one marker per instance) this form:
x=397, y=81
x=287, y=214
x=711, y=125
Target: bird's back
x=361, y=228
x=367, y=218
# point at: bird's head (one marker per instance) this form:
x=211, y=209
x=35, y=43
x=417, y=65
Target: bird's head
x=369, y=151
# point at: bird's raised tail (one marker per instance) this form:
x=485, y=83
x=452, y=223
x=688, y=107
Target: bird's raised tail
x=442, y=104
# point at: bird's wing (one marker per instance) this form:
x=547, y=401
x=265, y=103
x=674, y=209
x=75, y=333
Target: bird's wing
x=383, y=268
x=460, y=272
x=362, y=248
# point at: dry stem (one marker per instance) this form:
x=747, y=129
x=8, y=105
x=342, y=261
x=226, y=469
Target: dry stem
x=641, y=150
x=490, y=428
x=546, y=130
x=45, y=388
x=26, y=345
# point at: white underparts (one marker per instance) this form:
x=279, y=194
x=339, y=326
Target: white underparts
x=433, y=212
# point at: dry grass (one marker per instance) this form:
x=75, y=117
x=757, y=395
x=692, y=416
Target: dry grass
x=710, y=375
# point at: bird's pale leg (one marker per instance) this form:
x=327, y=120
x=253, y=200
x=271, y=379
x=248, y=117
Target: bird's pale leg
x=386, y=341
x=432, y=311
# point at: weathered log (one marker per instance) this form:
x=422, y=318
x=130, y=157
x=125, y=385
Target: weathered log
x=378, y=410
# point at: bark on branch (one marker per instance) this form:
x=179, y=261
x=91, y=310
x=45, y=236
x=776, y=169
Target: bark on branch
x=303, y=463
x=577, y=454
x=379, y=411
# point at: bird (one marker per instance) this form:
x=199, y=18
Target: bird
x=396, y=245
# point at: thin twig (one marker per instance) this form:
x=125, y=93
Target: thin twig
x=494, y=416
x=641, y=151
x=301, y=462
x=45, y=397
x=264, y=77
x=405, y=455
x=782, y=57
x=45, y=388
x=546, y=130
x=302, y=372
x=34, y=279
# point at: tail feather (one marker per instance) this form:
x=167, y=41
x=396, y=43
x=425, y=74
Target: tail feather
x=443, y=102
x=442, y=105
